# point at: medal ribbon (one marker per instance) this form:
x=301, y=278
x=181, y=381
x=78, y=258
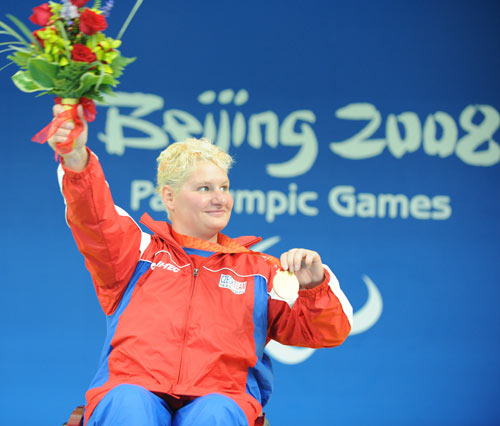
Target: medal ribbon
x=223, y=245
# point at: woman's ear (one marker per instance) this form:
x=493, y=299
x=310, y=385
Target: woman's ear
x=167, y=196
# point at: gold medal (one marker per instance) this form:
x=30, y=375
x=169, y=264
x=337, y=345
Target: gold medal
x=286, y=284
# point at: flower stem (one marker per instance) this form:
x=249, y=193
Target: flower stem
x=67, y=43
x=136, y=7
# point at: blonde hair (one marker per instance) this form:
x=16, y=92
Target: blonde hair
x=177, y=161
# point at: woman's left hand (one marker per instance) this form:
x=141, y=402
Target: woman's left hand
x=305, y=264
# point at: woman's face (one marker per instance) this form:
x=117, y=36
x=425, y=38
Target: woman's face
x=202, y=206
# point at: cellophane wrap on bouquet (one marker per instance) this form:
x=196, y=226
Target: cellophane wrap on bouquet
x=67, y=55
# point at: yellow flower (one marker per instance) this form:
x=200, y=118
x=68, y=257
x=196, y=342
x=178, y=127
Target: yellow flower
x=110, y=56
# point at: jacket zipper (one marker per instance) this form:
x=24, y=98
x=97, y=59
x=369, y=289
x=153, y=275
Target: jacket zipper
x=188, y=316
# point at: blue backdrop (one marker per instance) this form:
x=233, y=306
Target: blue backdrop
x=365, y=130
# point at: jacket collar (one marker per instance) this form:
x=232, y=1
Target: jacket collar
x=229, y=245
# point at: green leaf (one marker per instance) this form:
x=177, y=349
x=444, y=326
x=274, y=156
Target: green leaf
x=18, y=49
x=119, y=63
x=6, y=65
x=13, y=33
x=101, y=78
x=24, y=82
x=43, y=72
x=20, y=58
x=105, y=79
x=10, y=42
x=89, y=80
x=68, y=80
x=25, y=31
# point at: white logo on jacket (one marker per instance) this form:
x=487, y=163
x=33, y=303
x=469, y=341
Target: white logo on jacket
x=165, y=266
x=237, y=287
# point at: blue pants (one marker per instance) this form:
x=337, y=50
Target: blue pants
x=135, y=406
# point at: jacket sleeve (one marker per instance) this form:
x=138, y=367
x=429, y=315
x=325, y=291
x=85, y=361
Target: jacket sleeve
x=319, y=317
x=106, y=235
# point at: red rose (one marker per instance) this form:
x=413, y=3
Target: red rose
x=81, y=53
x=91, y=22
x=41, y=15
x=79, y=3
x=40, y=40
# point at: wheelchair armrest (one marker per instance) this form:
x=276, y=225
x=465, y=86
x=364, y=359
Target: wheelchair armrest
x=76, y=418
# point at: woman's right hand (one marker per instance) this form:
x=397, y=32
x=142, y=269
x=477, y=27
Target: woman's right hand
x=78, y=157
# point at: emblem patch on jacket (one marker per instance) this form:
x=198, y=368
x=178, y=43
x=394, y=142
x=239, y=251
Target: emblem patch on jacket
x=237, y=287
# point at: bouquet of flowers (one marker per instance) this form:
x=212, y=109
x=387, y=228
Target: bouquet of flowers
x=69, y=56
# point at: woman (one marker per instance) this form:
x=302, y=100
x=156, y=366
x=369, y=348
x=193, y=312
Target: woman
x=189, y=309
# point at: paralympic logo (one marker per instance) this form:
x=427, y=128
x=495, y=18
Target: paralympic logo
x=363, y=320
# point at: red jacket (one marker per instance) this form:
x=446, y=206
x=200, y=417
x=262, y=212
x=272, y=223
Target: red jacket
x=187, y=322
